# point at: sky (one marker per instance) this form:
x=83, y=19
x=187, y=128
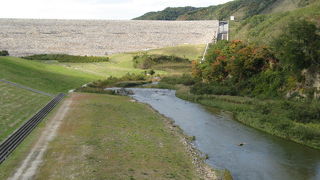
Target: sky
x=91, y=9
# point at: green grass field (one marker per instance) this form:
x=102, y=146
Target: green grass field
x=9, y=166
x=16, y=106
x=110, y=137
x=120, y=64
x=46, y=77
x=191, y=52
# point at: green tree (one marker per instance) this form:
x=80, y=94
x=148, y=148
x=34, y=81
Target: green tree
x=151, y=72
x=298, y=47
x=4, y=53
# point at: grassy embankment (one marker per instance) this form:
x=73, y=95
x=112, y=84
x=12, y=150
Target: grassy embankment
x=9, y=166
x=110, y=137
x=46, y=77
x=190, y=52
x=170, y=61
x=120, y=64
x=17, y=105
x=55, y=77
x=172, y=64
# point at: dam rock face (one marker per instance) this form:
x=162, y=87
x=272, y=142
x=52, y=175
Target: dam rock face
x=99, y=37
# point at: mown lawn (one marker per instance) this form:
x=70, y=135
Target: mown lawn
x=110, y=137
x=191, y=52
x=46, y=77
x=9, y=166
x=119, y=65
x=16, y=106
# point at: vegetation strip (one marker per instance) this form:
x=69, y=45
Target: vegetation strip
x=27, y=88
x=67, y=58
x=8, y=146
x=131, y=142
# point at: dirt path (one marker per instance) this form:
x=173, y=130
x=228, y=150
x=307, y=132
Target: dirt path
x=30, y=165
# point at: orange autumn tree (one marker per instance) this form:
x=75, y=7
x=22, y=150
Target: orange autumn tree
x=233, y=60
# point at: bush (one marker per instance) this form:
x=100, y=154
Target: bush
x=147, y=61
x=304, y=112
x=264, y=108
x=4, y=53
x=267, y=84
x=185, y=79
x=125, y=81
x=94, y=90
x=234, y=60
x=213, y=88
x=306, y=133
x=67, y=58
x=164, y=85
x=126, y=84
x=151, y=72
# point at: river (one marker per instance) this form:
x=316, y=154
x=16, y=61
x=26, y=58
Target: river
x=262, y=157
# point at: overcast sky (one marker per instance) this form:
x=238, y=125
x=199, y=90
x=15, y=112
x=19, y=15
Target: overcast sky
x=91, y=9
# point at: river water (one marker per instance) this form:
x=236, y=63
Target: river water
x=262, y=157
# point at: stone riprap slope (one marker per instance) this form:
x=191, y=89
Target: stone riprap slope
x=99, y=37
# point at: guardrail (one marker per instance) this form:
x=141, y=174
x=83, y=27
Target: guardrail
x=10, y=144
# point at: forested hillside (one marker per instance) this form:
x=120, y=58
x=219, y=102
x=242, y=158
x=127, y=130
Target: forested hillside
x=167, y=14
x=262, y=29
x=242, y=9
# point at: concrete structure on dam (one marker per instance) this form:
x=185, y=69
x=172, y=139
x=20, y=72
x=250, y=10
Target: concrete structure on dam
x=99, y=37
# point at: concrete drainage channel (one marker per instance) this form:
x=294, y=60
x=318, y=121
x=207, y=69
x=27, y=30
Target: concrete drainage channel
x=10, y=144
